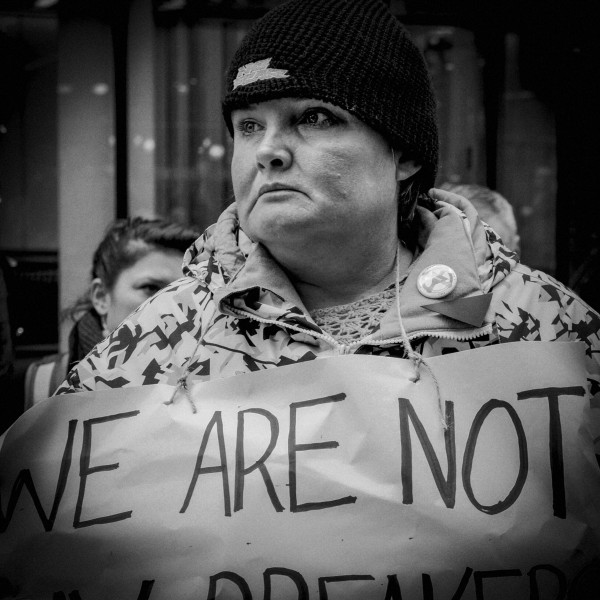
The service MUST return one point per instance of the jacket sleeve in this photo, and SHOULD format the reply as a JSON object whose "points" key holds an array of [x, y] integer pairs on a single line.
{"points": [[534, 306], [151, 346], [585, 327]]}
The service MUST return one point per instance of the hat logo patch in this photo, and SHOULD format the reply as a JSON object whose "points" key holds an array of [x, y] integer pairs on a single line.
{"points": [[258, 71]]}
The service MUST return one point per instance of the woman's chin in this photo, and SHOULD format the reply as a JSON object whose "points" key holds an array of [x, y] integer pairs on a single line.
{"points": [[281, 224]]}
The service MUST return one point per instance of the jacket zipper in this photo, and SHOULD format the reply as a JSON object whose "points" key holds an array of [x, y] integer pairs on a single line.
{"points": [[347, 348]]}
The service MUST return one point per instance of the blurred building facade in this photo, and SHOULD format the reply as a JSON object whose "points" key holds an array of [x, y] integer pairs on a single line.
{"points": [[111, 108]]}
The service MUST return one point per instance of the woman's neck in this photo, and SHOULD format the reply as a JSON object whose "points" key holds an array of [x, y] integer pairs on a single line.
{"points": [[335, 278]]}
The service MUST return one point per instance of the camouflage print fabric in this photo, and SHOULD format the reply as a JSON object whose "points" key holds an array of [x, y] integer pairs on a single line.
{"points": [[235, 311]]}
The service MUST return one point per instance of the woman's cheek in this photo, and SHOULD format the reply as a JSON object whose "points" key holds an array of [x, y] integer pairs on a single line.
{"points": [[242, 191]]}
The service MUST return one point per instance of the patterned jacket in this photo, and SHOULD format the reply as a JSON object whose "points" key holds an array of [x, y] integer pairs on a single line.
{"points": [[235, 311]]}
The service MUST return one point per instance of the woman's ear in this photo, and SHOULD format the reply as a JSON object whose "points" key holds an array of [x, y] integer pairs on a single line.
{"points": [[404, 168], [99, 296]]}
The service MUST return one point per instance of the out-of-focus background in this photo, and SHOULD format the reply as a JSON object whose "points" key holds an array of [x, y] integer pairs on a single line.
{"points": [[111, 108]]}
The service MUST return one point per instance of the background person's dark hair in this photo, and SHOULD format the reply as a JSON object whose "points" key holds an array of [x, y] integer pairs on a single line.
{"points": [[118, 249], [124, 243]]}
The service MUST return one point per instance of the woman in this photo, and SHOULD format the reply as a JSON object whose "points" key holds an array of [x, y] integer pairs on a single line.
{"points": [[136, 258], [333, 245]]}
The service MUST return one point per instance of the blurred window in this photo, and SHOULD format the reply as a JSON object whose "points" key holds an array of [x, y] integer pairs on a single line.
{"points": [[28, 176], [193, 149], [526, 173], [28, 131]]}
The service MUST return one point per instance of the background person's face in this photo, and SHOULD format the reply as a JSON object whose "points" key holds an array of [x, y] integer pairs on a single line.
{"points": [[332, 177], [139, 282]]}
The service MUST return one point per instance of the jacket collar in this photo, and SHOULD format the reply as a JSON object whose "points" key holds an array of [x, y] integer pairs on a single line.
{"points": [[258, 285], [447, 241]]}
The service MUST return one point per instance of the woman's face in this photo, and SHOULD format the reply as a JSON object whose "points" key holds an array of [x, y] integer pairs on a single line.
{"points": [[307, 171], [139, 282]]}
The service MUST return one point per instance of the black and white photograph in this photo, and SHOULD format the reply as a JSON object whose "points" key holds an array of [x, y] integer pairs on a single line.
{"points": [[299, 300]]}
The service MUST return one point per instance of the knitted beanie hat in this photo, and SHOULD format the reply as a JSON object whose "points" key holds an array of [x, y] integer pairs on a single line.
{"points": [[351, 53]]}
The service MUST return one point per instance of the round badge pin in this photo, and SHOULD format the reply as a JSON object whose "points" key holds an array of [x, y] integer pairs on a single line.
{"points": [[436, 281]]}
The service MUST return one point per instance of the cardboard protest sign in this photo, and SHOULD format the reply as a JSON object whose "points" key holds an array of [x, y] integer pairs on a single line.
{"points": [[336, 478]]}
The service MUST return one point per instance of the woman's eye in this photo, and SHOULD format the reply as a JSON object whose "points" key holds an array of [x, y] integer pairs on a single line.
{"points": [[247, 127], [318, 117], [150, 289]]}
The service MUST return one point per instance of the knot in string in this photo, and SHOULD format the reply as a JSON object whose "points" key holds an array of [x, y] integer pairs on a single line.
{"points": [[182, 384], [417, 361]]}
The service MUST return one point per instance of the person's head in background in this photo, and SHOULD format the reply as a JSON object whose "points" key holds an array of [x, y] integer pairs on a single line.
{"points": [[493, 208], [136, 258]]}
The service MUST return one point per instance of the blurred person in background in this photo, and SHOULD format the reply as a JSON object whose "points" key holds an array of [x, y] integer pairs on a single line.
{"points": [[493, 208], [136, 258]]}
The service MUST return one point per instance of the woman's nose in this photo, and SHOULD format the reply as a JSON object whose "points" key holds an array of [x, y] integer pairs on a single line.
{"points": [[273, 153]]}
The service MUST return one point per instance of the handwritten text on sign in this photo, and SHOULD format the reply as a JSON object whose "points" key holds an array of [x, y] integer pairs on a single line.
{"points": [[338, 478]]}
